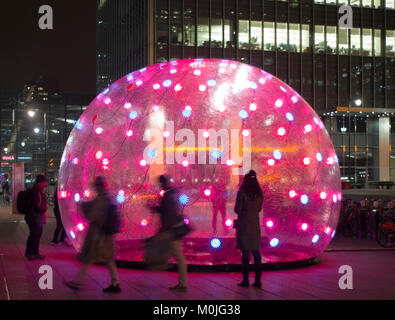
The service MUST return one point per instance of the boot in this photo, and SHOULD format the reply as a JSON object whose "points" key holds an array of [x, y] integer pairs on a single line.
{"points": [[245, 266], [257, 283], [258, 272]]}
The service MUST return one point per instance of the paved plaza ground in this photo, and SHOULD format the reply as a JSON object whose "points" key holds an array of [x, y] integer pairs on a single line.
{"points": [[373, 274]]}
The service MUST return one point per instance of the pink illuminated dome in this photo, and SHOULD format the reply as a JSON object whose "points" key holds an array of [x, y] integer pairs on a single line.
{"points": [[206, 123]]}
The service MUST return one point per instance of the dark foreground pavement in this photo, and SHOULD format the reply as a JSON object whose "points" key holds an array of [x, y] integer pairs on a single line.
{"points": [[373, 274]]}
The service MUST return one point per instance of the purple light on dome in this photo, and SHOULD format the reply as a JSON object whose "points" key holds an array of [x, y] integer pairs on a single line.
{"points": [[186, 113], [315, 239], [304, 199], [211, 83], [243, 114], [167, 83], [290, 117], [274, 242], [253, 85], [294, 99], [129, 77], [279, 103], [277, 154], [183, 199], [133, 115], [215, 243], [77, 197]]}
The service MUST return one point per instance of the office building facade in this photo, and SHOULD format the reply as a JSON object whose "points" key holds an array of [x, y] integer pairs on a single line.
{"points": [[346, 74]]}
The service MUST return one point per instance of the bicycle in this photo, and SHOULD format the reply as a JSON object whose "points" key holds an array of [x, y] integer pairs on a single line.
{"points": [[386, 233]]}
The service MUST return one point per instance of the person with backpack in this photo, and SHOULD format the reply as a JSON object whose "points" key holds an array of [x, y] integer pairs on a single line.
{"points": [[34, 207], [99, 242], [248, 232], [169, 210]]}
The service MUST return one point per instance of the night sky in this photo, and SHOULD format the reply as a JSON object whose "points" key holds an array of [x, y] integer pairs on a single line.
{"points": [[66, 56]]}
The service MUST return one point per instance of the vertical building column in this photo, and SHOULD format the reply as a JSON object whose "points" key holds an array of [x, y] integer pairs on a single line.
{"points": [[151, 31], [384, 149]]}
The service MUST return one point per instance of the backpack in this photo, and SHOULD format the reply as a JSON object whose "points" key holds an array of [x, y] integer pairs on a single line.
{"points": [[112, 223], [24, 201]]}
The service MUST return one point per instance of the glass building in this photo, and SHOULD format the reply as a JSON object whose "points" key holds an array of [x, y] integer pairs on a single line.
{"points": [[121, 38], [347, 75], [34, 128]]}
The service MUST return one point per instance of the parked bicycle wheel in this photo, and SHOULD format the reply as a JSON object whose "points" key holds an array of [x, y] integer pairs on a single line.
{"points": [[386, 235]]}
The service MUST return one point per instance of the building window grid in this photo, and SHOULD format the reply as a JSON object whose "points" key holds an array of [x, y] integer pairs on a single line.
{"points": [[269, 33], [388, 4], [362, 42]]}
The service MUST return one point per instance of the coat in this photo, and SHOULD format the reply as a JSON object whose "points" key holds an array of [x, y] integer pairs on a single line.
{"points": [[248, 232], [38, 207], [169, 209], [97, 247]]}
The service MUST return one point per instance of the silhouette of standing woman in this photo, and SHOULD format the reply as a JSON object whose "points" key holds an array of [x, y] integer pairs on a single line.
{"points": [[248, 233]]}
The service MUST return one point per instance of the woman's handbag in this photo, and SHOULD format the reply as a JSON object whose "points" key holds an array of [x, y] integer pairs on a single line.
{"points": [[157, 250], [180, 230]]}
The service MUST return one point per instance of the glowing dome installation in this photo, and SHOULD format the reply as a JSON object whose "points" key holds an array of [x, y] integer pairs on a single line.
{"points": [[205, 122]]}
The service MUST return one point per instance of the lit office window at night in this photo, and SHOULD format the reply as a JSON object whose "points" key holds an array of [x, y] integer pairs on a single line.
{"points": [[367, 43], [203, 32], [256, 35], [244, 26], [189, 34], [377, 43], [390, 43], [319, 39], [355, 41], [216, 33], [282, 37], [331, 40], [343, 41], [377, 3], [268, 36], [390, 4], [294, 37], [305, 38]]}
